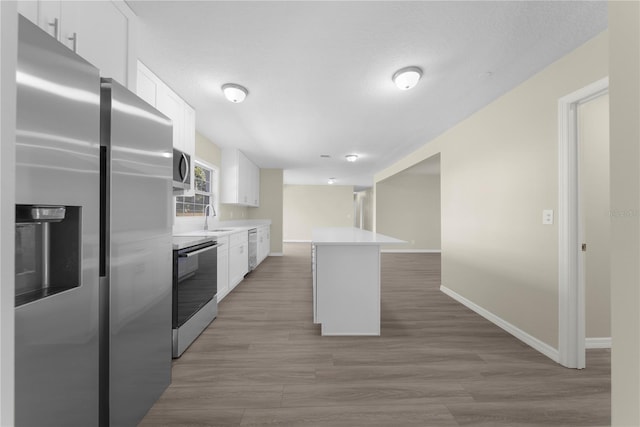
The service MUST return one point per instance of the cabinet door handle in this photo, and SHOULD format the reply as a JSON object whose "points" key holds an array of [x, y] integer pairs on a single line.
{"points": [[74, 39], [55, 26]]}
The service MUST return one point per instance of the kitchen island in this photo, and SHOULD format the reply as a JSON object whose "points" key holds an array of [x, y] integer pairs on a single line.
{"points": [[346, 280]]}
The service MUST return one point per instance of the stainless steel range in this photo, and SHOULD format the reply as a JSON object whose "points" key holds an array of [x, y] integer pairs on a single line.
{"points": [[195, 284]]}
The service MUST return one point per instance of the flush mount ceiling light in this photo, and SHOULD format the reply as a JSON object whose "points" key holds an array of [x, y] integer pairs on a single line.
{"points": [[407, 77], [351, 157], [332, 181], [234, 93]]}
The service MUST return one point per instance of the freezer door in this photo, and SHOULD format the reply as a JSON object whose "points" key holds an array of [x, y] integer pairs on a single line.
{"points": [[138, 142], [57, 163]]}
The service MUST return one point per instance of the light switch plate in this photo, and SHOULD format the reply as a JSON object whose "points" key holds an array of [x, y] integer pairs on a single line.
{"points": [[547, 217]]}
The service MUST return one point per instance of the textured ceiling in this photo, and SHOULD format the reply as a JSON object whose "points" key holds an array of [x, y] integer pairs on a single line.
{"points": [[319, 73]]}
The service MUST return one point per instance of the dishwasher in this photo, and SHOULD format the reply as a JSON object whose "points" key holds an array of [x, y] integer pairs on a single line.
{"points": [[253, 248]]}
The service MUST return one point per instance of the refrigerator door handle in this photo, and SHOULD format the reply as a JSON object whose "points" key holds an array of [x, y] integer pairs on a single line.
{"points": [[104, 209]]}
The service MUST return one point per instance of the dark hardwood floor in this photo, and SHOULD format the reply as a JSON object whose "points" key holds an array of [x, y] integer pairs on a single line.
{"points": [[436, 363]]}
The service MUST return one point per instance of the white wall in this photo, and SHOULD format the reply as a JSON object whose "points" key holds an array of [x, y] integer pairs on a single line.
{"points": [[624, 94], [410, 210], [499, 171], [8, 48], [593, 134], [310, 206]]}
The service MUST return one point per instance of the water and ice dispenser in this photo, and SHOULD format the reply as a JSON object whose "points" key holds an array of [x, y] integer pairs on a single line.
{"points": [[47, 251]]}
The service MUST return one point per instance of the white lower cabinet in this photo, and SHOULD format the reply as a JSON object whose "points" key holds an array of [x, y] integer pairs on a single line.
{"points": [[238, 257], [264, 242], [223, 267], [233, 257]]}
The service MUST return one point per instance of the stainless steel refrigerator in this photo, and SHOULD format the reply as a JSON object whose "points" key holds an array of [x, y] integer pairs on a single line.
{"points": [[93, 243]]}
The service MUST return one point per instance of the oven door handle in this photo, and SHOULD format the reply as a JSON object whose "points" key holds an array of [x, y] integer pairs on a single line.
{"points": [[199, 251]]}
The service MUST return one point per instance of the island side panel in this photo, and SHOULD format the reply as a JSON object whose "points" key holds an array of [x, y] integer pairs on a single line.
{"points": [[313, 277], [348, 289]]}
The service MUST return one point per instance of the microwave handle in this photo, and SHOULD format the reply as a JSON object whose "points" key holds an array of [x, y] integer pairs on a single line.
{"points": [[199, 251], [184, 163]]}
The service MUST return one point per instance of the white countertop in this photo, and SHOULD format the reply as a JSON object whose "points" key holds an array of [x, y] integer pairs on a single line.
{"points": [[349, 236], [215, 232], [217, 228]]}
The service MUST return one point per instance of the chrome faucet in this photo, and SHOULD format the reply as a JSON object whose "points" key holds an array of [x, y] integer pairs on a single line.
{"points": [[207, 210]]}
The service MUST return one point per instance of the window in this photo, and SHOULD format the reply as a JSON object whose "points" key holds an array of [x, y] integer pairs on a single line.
{"points": [[203, 180]]}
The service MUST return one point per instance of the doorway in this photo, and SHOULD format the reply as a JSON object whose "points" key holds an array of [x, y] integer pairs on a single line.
{"points": [[594, 211], [363, 208], [572, 217], [408, 207]]}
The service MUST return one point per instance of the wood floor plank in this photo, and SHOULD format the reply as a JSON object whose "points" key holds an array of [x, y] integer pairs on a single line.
{"points": [[549, 412], [350, 416], [165, 416], [373, 394], [436, 363]]}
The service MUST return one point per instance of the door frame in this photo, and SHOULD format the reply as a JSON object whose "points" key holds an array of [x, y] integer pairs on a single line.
{"points": [[571, 315]]}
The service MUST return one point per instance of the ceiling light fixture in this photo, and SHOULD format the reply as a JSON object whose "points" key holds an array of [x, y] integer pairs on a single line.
{"points": [[332, 181], [351, 157], [234, 93], [407, 77]]}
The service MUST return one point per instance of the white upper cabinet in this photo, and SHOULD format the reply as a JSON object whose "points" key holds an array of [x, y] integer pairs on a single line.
{"points": [[253, 185], [153, 90], [102, 32], [103, 40], [189, 131], [29, 9], [240, 179], [172, 106], [147, 85], [244, 179], [49, 17], [256, 186]]}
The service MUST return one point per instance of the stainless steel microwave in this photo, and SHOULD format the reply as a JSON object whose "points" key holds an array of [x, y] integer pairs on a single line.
{"points": [[181, 171]]}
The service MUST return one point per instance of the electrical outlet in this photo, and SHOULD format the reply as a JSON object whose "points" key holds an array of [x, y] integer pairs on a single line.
{"points": [[547, 217]]}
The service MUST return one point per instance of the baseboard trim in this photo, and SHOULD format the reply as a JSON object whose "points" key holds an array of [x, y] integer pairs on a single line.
{"points": [[410, 251], [526, 338], [296, 241], [276, 254], [601, 342]]}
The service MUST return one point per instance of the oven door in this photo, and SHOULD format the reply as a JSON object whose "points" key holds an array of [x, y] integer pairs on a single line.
{"points": [[194, 280]]}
